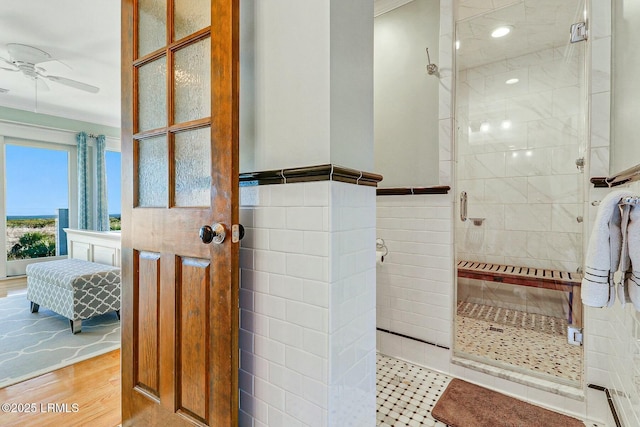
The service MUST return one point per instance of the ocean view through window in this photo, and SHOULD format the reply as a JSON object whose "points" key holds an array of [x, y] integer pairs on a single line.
{"points": [[37, 189], [37, 185]]}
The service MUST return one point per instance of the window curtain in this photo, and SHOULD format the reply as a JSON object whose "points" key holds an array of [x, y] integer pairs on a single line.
{"points": [[84, 213], [102, 220]]}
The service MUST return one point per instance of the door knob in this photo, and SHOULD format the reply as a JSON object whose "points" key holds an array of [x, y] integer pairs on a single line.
{"points": [[237, 233], [212, 233]]}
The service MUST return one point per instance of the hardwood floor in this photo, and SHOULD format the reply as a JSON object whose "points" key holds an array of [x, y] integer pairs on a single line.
{"points": [[13, 285], [84, 394]]}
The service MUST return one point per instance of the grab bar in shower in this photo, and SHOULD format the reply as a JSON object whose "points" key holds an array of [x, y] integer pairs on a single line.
{"points": [[463, 206]]}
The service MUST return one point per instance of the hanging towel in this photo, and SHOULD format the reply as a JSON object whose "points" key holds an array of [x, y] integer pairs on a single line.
{"points": [[603, 253], [625, 261], [633, 242]]}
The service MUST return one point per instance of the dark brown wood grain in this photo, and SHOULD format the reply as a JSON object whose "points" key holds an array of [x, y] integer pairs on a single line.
{"points": [[533, 277], [147, 332], [196, 316]]}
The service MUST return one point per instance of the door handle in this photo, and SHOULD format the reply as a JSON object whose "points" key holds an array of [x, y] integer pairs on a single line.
{"points": [[213, 233], [237, 233], [463, 206]]}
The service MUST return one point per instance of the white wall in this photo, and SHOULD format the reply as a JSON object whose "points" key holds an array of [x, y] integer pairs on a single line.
{"points": [[307, 305], [307, 337], [306, 84], [625, 151], [351, 101], [414, 281], [406, 97]]}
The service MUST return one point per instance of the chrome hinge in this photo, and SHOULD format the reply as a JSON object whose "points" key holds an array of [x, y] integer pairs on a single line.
{"points": [[578, 32], [574, 335]]}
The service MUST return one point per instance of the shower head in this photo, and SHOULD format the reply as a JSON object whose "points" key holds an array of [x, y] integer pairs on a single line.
{"points": [[431, 68]]}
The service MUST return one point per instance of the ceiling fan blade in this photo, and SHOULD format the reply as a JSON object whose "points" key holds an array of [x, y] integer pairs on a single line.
{"points": [[73, 83], [13, 67]]}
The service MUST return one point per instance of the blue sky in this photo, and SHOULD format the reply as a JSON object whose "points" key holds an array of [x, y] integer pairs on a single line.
{"points": [[37, 181]]}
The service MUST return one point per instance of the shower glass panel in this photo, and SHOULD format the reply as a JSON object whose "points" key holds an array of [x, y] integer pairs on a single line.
{"points": [[521, 106]]}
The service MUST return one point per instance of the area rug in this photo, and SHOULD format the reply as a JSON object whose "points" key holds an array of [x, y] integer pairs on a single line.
{"points": [[32, 344], [467, 405]]}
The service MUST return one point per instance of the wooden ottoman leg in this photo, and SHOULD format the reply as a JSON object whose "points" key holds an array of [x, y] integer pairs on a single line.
{"points": [[34, 307], [76, 326]]}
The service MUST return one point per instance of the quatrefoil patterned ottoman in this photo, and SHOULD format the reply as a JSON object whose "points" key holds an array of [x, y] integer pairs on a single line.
{"points": [[74, 288]]}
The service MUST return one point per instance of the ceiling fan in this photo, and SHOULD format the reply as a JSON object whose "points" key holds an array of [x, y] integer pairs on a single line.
{"points": [[27, 59]]}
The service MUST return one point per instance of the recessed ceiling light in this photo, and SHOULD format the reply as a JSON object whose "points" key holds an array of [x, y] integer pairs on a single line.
{"points": [[501, 31], [485, 127], [506, 124], [512, 81], [457, 44]]}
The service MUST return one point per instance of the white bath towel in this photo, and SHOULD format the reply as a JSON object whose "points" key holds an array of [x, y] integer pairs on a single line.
{"points": [[625, 261], [603, 253], [633, 242]]}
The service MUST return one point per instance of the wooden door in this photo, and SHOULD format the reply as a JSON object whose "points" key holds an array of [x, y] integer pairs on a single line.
{"points": [[180, 157]]}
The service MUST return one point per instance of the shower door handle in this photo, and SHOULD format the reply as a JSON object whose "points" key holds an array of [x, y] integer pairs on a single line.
{"points": [[463, 206]]}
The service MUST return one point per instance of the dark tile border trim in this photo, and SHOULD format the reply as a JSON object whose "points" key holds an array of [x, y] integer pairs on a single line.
{"points": [[412, 338], [601, 182], [628, 175], [413, 191], [326, 172], [612, 407]]}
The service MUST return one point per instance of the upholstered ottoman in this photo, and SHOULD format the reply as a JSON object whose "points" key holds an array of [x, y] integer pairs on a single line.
{"points": [[74, 288]]}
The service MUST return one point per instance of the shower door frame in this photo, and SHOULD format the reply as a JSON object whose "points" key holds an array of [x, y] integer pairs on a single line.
{"points": [[582, 147]]}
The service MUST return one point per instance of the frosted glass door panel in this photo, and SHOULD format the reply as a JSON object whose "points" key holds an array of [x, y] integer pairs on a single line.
{"points": [[152, 95], [193, 167], [152, 22], [190, 16], [152, 172], [192, 80]]}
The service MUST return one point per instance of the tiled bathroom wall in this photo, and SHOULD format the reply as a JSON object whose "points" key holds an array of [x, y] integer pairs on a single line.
{"points": [[414, 280], [611, 334], [600, 343], [517, 149], [307, 305]]}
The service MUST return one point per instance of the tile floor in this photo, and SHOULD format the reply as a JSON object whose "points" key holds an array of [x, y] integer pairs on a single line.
{"points": [[535, 343], [406, 393]]}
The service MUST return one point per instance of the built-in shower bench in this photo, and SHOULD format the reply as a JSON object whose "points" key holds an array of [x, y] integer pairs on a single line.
{"points": [[535, 277]]}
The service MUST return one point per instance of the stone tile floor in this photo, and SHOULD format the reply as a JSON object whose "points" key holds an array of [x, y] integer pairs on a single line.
{"points": [[407, 393]]}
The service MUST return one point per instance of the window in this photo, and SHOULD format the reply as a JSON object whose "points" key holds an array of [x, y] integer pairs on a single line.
{"points": [[36, 200], [113, 160]]}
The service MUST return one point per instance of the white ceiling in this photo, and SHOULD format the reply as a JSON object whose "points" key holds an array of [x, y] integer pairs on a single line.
{"points": [[84, 35], [537, 25]]}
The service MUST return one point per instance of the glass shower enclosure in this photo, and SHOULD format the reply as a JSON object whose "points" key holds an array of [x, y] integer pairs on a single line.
{"points": [[521, 108]]}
